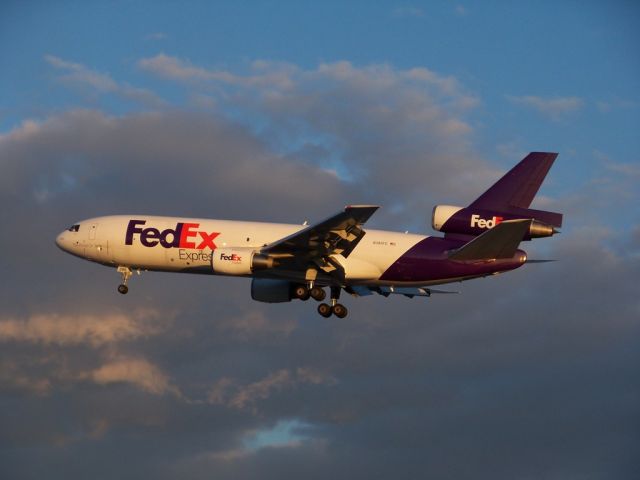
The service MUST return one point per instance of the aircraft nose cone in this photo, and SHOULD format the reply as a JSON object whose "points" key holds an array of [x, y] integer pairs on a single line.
{"points": [[60, 241]]}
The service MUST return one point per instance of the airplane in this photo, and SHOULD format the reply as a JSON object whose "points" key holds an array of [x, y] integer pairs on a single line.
{"points": [[292, 261]]}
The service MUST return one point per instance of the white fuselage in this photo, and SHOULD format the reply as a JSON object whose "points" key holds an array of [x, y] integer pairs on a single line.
{"points": [[153, 244]]}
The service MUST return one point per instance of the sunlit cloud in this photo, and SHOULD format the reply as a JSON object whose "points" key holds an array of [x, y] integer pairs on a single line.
{"points": [[229, 392], [552, 107], [79, 75], [135, 371], [93, 330]]}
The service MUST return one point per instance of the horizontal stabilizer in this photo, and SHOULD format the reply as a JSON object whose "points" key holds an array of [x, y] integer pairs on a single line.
{"points": [[500, 242]]}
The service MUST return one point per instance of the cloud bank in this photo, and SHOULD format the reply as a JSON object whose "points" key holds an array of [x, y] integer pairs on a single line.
{"points": [[528, 375]]}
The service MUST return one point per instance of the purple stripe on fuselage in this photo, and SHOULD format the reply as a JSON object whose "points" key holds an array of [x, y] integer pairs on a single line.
{"points": [[428, 261]]}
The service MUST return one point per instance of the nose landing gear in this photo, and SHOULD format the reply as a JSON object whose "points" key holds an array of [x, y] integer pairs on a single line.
{"points": [[126, 274]]}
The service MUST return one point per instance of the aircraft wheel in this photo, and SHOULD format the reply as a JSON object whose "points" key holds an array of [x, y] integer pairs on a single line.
{"points": [[324, 310], [340, 311], [301, 292], [123, 289], [318, 294]]}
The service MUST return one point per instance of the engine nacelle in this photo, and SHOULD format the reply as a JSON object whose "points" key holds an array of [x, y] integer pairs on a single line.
{"points": [[271, 291], [442, 213], [474, 221], [239, 261]]}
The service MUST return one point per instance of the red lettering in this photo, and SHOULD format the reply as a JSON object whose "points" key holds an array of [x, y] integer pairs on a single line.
{"points": [[207, 240], [186, 233]]}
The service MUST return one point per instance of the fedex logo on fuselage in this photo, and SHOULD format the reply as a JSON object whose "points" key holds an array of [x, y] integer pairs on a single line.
{"points": [[233, 258], [476, 221], [185, 235]]}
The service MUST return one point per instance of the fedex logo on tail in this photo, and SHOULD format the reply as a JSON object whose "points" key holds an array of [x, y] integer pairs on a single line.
{"points": [[476, 221], [185, 235]]}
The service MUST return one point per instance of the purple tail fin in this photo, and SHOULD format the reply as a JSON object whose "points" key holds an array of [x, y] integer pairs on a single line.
{"points": [[515, 191], [508, 199], [519, 185]]}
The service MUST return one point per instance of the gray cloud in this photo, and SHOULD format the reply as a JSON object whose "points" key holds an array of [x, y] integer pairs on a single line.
{"points": [[400, 137], [529, 375]]}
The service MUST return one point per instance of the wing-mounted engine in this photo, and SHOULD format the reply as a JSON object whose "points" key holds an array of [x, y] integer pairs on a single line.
{"points": [[271, 291], [476, 221], [239, 261]]}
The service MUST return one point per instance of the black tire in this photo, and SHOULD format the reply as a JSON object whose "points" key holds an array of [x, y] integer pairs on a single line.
{"points": [[325, 310], [301, 292], [340, 311], [123, 289], [318, 293]]}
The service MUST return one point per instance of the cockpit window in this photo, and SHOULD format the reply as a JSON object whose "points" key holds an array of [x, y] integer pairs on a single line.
{"points": [[74, 228]]}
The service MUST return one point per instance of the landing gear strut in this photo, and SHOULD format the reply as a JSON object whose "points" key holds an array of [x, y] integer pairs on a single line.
{"points": [[126, 274], [335, 308]]}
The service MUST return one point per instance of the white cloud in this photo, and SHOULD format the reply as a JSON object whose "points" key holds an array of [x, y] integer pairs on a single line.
{"points": [[255, 325], [385, 127], [136, 371], [626, 169], [606, 106], [263, 73], [228, 392], [94, 330], [554, 108], [156, 36], [82, 76]]}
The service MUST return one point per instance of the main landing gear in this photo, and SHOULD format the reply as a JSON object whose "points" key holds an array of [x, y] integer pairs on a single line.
{"points": [[126, 274], [303, 292]]}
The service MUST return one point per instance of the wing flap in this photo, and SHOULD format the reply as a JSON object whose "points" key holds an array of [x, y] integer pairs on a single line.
{"points": [[338, 234], [500, 242], [364, 290]]}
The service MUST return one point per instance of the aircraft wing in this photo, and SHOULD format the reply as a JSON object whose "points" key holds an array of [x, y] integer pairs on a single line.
{"points": [[338, 234]]}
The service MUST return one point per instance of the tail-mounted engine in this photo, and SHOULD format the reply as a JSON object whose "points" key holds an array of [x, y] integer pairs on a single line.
{"points": [[473, 221], [239, 261]]}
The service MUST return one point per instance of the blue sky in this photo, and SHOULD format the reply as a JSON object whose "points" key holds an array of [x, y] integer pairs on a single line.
{"points": [[286, 111], [517, 59]]}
